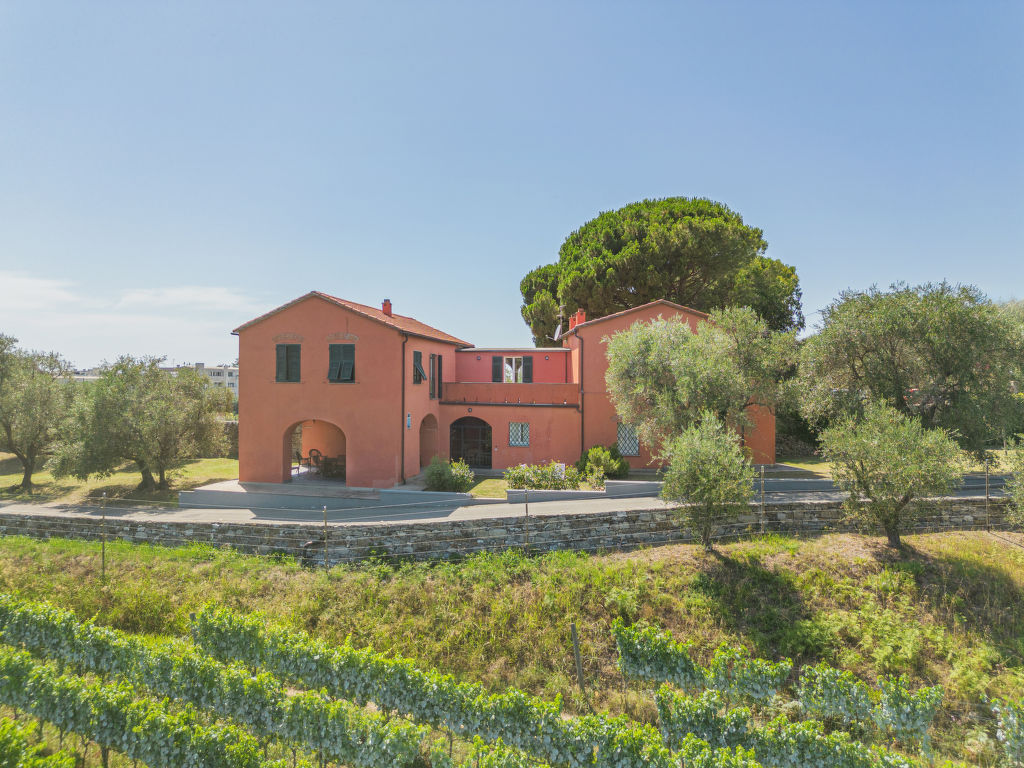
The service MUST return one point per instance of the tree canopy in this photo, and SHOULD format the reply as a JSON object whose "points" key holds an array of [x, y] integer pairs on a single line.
{"points": [[662, 376], [692, 251], [35, 397], [140, 413], [939, 352]]}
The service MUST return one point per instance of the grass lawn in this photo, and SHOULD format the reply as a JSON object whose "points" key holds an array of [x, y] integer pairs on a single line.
{"points": [[809, 466], [119, 485], [947, 610], [490, 488]]}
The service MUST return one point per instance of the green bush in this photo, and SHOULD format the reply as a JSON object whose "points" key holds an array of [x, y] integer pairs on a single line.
{"points": [[548, 477], [607, 459], [449, 476]]}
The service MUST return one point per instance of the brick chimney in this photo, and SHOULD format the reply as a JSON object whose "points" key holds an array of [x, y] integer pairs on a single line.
{"points": [[581, 316], [572, 322], [386, 307]]}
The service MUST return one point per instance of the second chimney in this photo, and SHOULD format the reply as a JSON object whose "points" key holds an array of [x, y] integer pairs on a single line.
{"points": [[386, 307]]}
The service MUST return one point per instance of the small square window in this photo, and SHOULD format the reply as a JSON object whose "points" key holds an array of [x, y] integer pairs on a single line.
{"points": [[629, 443], [519, 433]]}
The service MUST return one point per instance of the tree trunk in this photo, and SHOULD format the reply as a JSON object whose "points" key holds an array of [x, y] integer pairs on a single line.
{"points": [[28, 467], [893, 534], [162, 485], [148, 483]]}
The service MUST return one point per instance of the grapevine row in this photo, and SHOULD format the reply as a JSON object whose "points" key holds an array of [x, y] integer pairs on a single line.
{"points": [[17, 750], [115, 719], [778, 744], [341, 731], [648, 653], [525, 722]]}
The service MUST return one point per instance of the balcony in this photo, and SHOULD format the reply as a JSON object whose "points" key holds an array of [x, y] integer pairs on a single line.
{"points": [[481, 393]]}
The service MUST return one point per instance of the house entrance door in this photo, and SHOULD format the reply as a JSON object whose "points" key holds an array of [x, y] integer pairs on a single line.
{"points": [[471, 442]]}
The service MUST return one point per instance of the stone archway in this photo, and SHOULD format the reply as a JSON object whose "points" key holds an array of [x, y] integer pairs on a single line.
{"points": [[428, 439], [315, 448]]}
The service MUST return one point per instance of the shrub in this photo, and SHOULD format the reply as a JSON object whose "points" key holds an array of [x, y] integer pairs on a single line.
{"points": [[449, 476], [548, 477], [1010, 731], [608, 459]]}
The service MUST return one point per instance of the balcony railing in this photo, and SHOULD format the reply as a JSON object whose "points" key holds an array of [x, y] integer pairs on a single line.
{"points": [[518, 394]]}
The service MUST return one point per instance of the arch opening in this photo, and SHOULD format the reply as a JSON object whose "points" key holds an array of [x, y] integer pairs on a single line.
{"points": [[315, 450], [428, 439], [471, 441]]}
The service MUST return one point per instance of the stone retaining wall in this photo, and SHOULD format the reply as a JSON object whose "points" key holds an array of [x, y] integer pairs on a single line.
{"points": [[445, 539]]}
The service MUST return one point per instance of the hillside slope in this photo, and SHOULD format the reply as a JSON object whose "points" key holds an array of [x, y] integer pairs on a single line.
{"points": [[948, 610]]}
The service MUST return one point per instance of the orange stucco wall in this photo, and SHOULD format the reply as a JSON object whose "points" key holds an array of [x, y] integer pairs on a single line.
{"points": [[368, 411], [550, 365], [554, 432]]}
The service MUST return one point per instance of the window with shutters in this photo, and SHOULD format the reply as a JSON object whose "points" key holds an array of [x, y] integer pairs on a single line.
{"points": [[518, 433], [629, 443], [341, 362], [288, 362], [440, 375], [433, 376], [418, 374], [515, 370]]}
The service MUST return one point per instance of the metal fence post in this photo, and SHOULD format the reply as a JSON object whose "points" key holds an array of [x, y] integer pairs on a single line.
{"points": [[526, 497], [325, 537], [988, 512], [576, 653], [762, 498], [103, 537]]}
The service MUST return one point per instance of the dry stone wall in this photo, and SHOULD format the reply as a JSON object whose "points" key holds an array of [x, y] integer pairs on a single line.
{"points": [[445, 539]]}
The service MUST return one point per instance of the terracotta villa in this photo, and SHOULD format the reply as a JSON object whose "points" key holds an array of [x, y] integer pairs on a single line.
{"points": [[378, 395]]}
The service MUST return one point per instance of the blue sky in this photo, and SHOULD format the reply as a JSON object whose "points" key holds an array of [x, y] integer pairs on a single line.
{"points": [[169, 170]]}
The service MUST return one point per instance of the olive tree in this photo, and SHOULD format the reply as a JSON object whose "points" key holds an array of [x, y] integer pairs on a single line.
{"points": [[887, 461], [709, 475], [137, 412], [1015, 485], [662, 377], [942, 353], [35, 396]]}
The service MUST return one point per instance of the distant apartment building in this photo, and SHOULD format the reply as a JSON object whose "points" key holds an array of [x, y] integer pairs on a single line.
{"points": [[219, 375]]}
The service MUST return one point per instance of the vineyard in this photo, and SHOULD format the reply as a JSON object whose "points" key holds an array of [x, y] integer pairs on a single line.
{"points": [[203, 657], [242, 693]]}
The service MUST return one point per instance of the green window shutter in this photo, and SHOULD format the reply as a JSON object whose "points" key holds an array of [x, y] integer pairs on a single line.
{"points": [[433, 376], [348, 362], [497, 368], [527, 369], [418, 374], [334, 364], [440, 375], [282, 362], [294, 362]]}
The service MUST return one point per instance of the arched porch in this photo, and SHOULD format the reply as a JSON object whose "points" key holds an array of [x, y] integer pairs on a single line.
{"points": [[315, 449]]}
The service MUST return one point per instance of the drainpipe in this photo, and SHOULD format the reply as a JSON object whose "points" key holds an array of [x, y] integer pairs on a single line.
{"points": [[401, 461], [582, 412]]}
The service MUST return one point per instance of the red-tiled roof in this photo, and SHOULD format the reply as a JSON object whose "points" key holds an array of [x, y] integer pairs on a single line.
{"points": [[398, 322], [665, 302]]}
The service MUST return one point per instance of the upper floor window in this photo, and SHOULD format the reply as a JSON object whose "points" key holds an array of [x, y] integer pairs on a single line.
{"points": [[342, 362], [512, 369], [288, 360], [418, 374]]}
